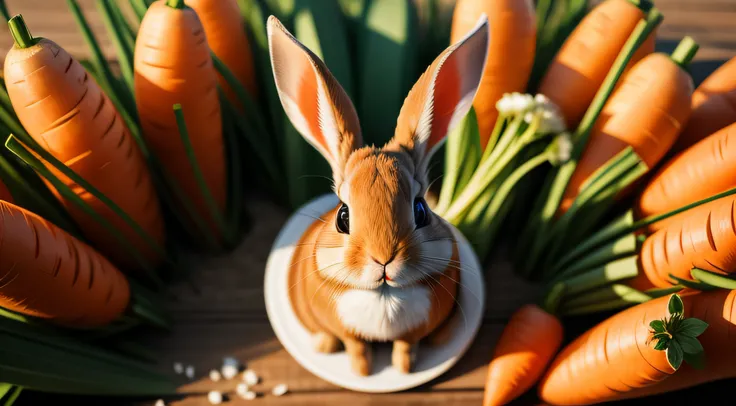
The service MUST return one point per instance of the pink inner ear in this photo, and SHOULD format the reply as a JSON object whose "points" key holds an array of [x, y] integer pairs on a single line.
{"points": [[308, 104], [447, 93]]}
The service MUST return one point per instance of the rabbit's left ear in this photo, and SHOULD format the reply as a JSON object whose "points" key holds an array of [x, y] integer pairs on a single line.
{"points": [[442, 96]]}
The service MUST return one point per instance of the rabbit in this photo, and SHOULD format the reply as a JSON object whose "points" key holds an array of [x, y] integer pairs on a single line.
{"points": [[379, 266]]}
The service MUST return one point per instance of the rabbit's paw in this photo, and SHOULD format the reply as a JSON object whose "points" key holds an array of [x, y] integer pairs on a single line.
{"points": [[403, 356], [326, 343]]}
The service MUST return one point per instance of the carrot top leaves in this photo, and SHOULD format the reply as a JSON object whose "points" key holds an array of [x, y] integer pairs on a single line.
{"points": [[677, 335], [20, 32]]}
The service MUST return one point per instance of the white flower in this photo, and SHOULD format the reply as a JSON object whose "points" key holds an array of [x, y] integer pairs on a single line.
{"points": [[214, 397], [215, 375], [514, 103], [549, 115], [178, 367], [250, 395], [160, 402], [189, 372], [561, 149], [250, 377], [280, 389], [229, 371]]}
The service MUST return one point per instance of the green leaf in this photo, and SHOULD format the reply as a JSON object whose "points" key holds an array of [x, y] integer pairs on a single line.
{"points": [[657, 326], [690, 345], [696, 360], [691, 327], [674, 355], [662, 344], [675, 305]]}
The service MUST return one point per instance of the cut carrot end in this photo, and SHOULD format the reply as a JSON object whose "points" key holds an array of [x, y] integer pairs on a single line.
{"points": [[178, 4], [685, 51], [21, 35]]}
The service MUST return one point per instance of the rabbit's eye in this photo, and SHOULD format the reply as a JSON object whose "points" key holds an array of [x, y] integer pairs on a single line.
{"points": [[421, 212], [343, 219]]}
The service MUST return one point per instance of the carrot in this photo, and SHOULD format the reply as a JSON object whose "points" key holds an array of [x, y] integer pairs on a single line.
{"points": [[646, 112], [704, 238], [510, 49], [582, 63], [5, 193], [716, 308], [46, 273], [528, 342], [173, 66], [67, 114], [703, 170], [226, 35], [713, 105], [638, 347]]}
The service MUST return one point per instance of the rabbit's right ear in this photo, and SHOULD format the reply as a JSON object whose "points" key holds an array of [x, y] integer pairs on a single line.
{"points": [[314, 101]]}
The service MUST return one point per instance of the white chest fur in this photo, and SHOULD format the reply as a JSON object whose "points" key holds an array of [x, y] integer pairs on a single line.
{"points": [[384, 314]]}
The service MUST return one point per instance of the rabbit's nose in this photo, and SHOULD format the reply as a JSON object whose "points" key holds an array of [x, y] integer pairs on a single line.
{"points": [[385, 263]]}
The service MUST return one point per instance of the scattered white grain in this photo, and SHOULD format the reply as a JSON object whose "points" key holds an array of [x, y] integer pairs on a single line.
{"points": [[178, 367], [215, 375], [214, 397], [189, 372], [242, 389], [229, 371], [250, 377], [280, 389], [250, 395], [160, 402]]}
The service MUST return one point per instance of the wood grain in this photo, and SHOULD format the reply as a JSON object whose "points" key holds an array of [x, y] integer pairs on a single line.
{"points": [[227, 317]]}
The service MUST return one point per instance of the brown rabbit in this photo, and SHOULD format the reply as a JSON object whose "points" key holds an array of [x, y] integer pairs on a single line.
{"points": [[380, 266]]}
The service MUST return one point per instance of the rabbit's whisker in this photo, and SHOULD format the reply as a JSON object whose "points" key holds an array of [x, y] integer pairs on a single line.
{"points": [[302, 213], [459, 306], [460, 269], [311, 273]]}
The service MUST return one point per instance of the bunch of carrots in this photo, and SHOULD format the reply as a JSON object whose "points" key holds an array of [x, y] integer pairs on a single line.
{"points": [[627, 210]]}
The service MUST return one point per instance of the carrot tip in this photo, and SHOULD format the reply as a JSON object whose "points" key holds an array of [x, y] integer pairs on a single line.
{"points": [[20, 32], [685, 51], [178, 4]]}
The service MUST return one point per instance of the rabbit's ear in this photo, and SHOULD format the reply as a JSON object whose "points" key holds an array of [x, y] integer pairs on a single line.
{"points": [[442, 96], [312, 98]]}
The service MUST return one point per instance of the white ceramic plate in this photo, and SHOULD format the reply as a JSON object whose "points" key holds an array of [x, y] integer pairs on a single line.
{"points": [[431, 362]]}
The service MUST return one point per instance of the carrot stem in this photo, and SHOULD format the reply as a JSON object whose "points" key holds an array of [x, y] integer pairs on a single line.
{"points": [[139, 8], [20, 32], [198, 175], [553, 298], [621, 269], [713, 279], [4, 10], [561, 177], [613, 233], [235, 174], [125, 55], [685, 52], [264, 153], [178, 4]]}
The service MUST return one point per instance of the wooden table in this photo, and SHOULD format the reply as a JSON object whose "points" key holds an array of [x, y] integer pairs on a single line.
{"points": [[227, 317]]}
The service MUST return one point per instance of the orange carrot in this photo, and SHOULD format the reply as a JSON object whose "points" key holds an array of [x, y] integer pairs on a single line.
{"points": [[704, 238], [623, 353], [528, 342], [46, 273], [173, 65], [701, 171], [510, 51], [713, 105], [225, 31], [716, 308], [582, 63], [5, 193], [646, 112], [66, 113]]}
